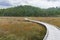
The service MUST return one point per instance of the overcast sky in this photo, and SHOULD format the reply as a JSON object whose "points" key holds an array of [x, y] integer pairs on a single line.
{"points": [[37, 3]]}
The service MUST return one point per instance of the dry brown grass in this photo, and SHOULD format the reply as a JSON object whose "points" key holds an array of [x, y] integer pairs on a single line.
{"points": [[52, 20], [15, 28]]}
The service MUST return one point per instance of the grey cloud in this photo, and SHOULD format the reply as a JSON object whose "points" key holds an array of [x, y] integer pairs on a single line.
{"points": [[38, 3], [52, 0], [5, 3]]}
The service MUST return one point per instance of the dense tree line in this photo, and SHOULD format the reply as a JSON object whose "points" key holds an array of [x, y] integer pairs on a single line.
{"points": [[30, 11]]}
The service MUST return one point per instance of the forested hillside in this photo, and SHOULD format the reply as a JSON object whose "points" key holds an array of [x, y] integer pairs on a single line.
{"points": [[30, 11]]}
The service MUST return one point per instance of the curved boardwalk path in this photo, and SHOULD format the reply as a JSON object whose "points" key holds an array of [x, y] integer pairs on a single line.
{"points": [[52, 34]]}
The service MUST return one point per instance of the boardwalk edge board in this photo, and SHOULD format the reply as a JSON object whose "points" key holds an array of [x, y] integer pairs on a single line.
{"points": [[47, 32]]}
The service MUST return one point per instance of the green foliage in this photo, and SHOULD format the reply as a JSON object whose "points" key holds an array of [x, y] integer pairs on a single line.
{"points": [[30, 11]]}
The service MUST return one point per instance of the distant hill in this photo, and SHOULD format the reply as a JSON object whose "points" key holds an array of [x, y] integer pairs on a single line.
{"points": [[30, 11]]}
